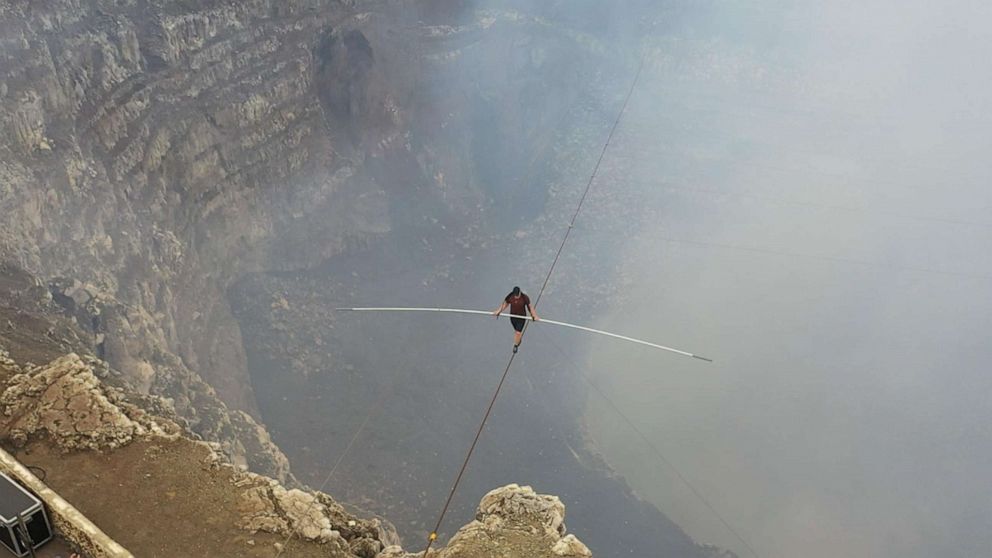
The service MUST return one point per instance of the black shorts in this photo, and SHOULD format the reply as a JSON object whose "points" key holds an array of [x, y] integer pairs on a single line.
{"points": [[518, 323]]}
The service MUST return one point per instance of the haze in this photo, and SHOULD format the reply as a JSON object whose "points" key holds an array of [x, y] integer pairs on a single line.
{"points": [[809, 187]]}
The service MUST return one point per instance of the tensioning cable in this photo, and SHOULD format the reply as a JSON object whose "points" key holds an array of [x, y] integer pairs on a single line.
{"points": [[592, 177], [654, 448], [373, 411]]}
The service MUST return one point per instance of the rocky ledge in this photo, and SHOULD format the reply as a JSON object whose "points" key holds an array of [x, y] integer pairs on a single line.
{"points": [[516, 521], [66, 402], [63, 417]]}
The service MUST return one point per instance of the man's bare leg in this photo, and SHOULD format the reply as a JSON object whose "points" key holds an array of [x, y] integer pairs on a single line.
{"points": [[517, 335]]}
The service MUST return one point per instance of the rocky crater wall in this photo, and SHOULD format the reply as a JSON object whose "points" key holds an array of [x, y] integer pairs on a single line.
{"points": [[66, 407], [156, 154], [158, 151]]}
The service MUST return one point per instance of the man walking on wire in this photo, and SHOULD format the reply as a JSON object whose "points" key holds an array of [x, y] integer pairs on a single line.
{"points": [[519, 304]]}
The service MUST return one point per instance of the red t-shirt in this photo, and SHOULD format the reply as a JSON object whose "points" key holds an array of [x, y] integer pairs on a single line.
{"points": [[518, 304]]}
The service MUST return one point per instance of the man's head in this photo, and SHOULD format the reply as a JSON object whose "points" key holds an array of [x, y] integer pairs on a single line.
{"points": [[516, 291]]}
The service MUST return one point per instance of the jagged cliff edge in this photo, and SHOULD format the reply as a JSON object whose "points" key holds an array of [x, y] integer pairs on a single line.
{"points": [[64, 404]]}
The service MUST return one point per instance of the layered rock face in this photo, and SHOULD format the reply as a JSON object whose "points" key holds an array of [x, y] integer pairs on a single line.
{"points": [[150, 146], [157, 151], [119, 126]]}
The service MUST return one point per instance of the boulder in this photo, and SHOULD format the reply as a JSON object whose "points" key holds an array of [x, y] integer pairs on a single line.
{"points": [[67, 402]]}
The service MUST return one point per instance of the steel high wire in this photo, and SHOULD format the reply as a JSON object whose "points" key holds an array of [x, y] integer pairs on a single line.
{"points": [[468, 456]]}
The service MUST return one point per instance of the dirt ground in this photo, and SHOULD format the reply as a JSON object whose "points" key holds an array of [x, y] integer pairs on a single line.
{"points": [[55, 548], [125, 491]]}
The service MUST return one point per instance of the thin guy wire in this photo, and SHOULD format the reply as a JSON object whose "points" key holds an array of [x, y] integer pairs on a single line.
{"points": [[499, 387], [379, 405], [654, 449]]}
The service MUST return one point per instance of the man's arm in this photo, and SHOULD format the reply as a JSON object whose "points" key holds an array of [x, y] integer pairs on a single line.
{"points": [[499, 310], [533, 314]]}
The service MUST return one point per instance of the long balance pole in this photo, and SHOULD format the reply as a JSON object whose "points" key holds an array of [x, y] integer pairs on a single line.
{"points": [[541, 321]]}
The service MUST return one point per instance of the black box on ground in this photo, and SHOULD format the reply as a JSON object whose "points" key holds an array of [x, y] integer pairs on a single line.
{"points": [[17, 504]]}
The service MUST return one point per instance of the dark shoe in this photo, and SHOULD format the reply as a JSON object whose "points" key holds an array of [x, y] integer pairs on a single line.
{"points": [[515, 348]]}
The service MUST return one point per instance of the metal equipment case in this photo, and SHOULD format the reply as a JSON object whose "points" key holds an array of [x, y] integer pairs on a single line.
{"points": [[16, 503]]}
